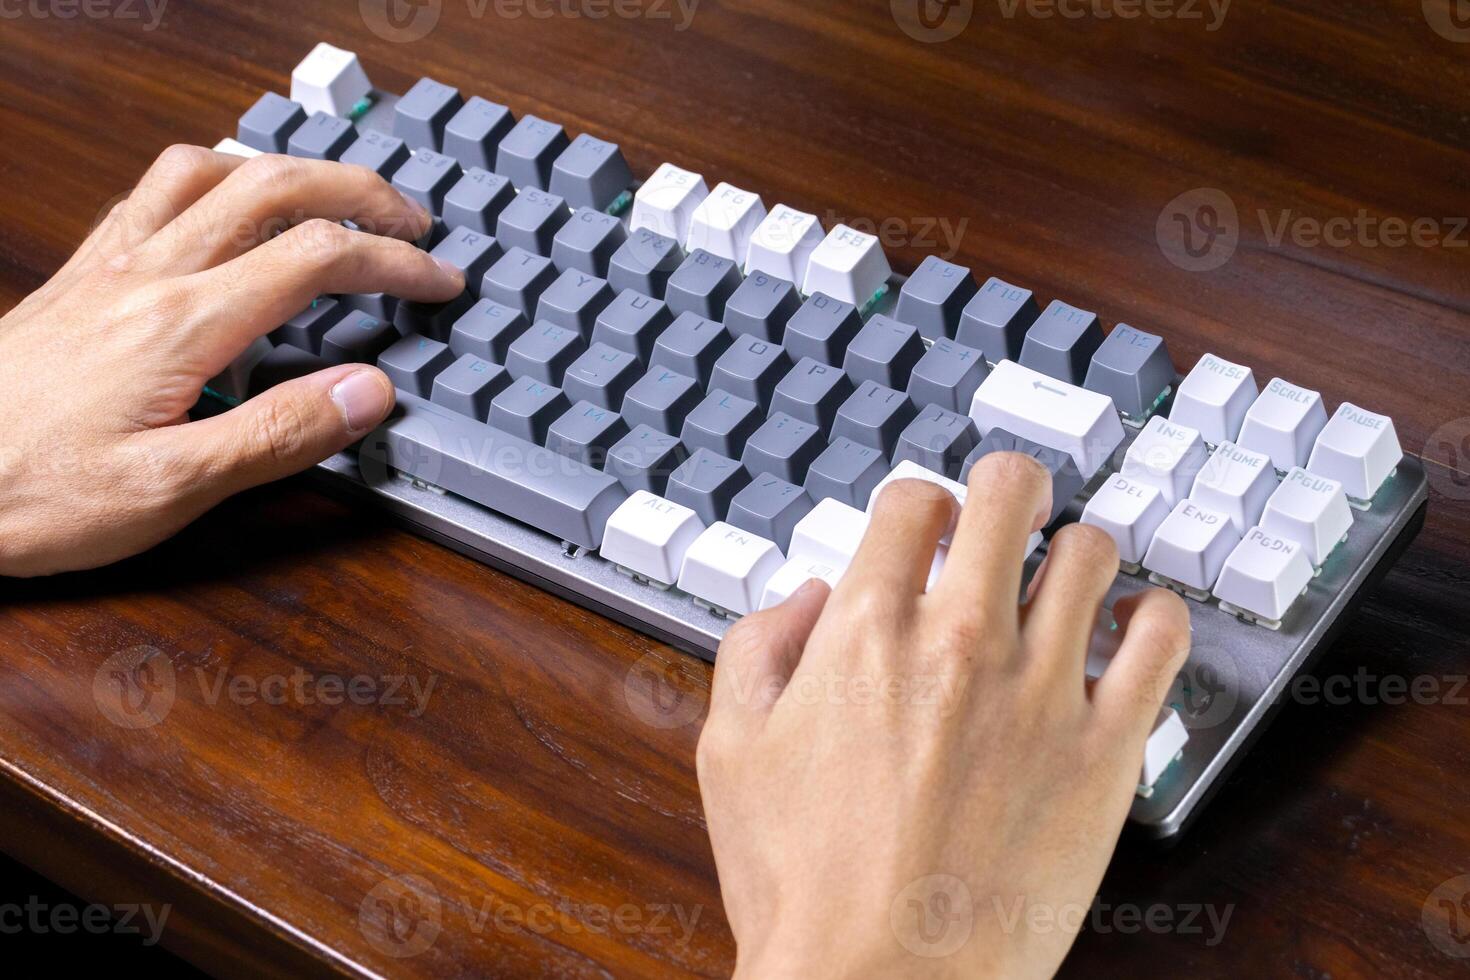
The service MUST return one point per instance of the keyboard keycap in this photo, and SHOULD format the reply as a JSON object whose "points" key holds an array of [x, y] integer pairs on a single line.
{"points": [[760, 306], [884, 352], [282, 363], [934, 297], [496, 469], [644, 458], [665, 203], [526, 408], [476, 201], [721, 423], [468, 385], [473, 134], [728, 568], [234, 147], [996, 320], [574, 300], [518, 279], [829, 533], [1284, 422], [783, 244], [528, 152], [702, 285], [586, 433], [321, 137], [329, 80], [531, 221], [434, 320], [358, 337], [544, 352], [793, 575], [644, 263], [690, 346], [602, 376], [379, 305], [1358, 449], [874, 416], [1066, 481], [1053, 413], [783, 446], [1133, 369], [267, 126], [706, 482], [751, 368], [848, 265], [471, 252], [723, 223], [306, 329], [1214, 398], [650, 536], [590, 173], [420, 116], [379, 152], [1264, 575], [587, 242], [487, 330], [938, 440], [1309, 509], [661, 399], [947, 375], [1237, 483], [427, 177], [1191, 546], [822, 329], [1062, 341], [413, 362], [813, 392], [632, 322], [846, 471], [770, 507], [1168, 456], [1130, 512]]}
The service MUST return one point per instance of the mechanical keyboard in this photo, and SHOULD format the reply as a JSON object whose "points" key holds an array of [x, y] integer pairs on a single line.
{"points": [[673, 404]]}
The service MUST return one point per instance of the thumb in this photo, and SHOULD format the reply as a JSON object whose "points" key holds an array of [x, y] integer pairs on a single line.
{"points": [[286, 429]]}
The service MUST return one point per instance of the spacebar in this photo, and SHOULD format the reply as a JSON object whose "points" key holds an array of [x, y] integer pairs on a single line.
{"points": [[505, 473]]}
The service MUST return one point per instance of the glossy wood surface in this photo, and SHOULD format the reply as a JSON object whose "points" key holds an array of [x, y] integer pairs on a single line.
{"points": [[548, 783]]}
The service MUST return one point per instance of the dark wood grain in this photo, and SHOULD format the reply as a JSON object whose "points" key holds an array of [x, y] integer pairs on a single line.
{"points": [[533, 779]]}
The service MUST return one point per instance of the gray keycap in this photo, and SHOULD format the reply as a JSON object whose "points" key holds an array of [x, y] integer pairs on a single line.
{"points": [[380, 305], [487, 329], [518, 279], [474, 133], [321, 137], [306, 329], [721, 423], [527, 152], [531, 221], [591, 173], [885, 352], [702, 284], [468, 385], [379, 152], [996, 320], [357, 337], [437, 232], [770, 507], [661, 399], [760, 306], [1066, 479], [690, 346], [751, 368], [476, 200], [813, 392], [937, 440], [427, 177], [934, 297], [644, 263], [602, 376], [544, 352], [527, 407], [632, 323], [412, 363], [1132, 368], [586, 433], [947, 375], [267, 126], [420, 116], [494, 469], [431, 319], [587, 242], [706, 482], [821, 329], [282, 364], [873, 416], [471, 252], [784, 446], [846, 471], [574, 300], [644, 458], [1062, 341]]}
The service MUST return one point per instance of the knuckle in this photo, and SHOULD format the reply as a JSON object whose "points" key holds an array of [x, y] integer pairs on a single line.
{"points": [[319, 243], [748, 635], [999, 469], [181, 160], [1087, 544], [1160, 628], [270, 172], [280, 431], [903, 499]]}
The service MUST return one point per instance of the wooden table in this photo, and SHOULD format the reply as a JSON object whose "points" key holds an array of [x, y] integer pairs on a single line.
{"points": [[532, 798]]}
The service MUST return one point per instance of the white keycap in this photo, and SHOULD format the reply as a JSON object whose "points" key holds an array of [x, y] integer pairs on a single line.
{"points": [[783, 243], [1309, 509], [1081, 423], [936, 567], [665, 203], [234, 146], [1163, 747], [1168, 456], [1237, 483], [1283, 423], [329, 80], [725, 221], [729, 568], [829, 534], [1130, 512], [792, 576], [1191, 545], [1358, 449], [1214, 398], [650, 535], [848, 265], [1264, 574]]}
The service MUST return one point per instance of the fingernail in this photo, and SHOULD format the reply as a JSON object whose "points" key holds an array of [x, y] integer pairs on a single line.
{"points": [[452, 271], [362, 400], [807, 588]]}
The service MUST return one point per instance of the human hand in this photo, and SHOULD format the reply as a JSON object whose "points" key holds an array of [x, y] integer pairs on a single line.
{"points": [[980, 776], [100, 366]]}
